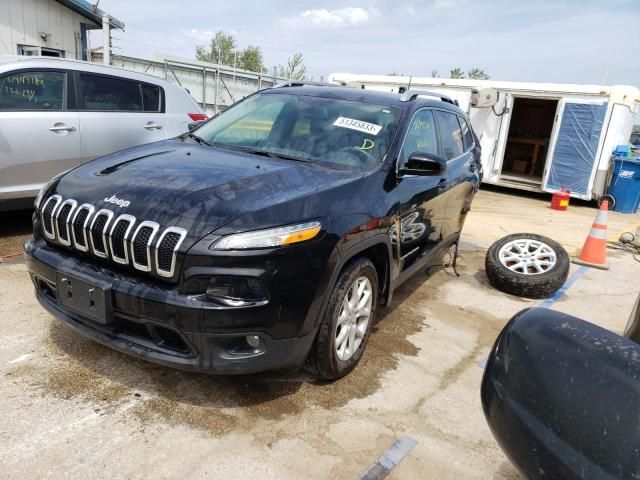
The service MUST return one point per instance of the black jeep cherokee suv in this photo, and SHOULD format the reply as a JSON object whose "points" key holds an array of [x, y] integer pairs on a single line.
{"points": [[265, 238]]}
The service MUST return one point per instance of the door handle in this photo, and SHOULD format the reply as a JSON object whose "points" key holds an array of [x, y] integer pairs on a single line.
{"points": [[152, 126], [62, 128]]}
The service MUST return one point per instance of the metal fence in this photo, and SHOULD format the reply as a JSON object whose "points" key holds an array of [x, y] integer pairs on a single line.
{"points": [[214, 86]]}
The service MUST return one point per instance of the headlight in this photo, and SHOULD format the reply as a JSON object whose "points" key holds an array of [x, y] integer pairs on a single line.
{"points": [[272, 237], [46, 187]]}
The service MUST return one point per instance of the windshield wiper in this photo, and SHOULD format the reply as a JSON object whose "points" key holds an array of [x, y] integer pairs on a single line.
{"points": [[197, 138], [279, 155], [263, 153]]}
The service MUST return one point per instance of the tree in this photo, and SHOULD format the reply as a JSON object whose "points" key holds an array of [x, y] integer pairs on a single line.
{"points": [[221, 49], [251, 59], [456, 73], [477, 74], [435, 74], [295, 68]]}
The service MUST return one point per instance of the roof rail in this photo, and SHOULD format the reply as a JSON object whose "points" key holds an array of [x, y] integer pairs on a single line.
{"points": [[409, 95], [301, 83]]}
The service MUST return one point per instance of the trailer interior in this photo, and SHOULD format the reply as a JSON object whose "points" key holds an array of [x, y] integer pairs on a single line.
{"points": [[530, 130]]}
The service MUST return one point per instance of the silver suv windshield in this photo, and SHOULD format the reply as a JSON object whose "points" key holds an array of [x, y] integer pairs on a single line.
{"points": [[336, 133]]}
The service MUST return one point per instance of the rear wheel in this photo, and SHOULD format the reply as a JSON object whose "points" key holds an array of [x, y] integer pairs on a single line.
{"points": [[344, 331]]}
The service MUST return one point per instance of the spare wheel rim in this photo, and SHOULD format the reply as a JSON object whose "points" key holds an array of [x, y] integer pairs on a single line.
{"points": [[526, 256]]}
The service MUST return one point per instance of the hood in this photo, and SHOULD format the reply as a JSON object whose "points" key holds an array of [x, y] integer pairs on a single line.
{"points": [[192, 186]]}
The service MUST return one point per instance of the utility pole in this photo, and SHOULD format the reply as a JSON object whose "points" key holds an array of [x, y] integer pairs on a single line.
{"points": [[106, 40], [235, 58]]}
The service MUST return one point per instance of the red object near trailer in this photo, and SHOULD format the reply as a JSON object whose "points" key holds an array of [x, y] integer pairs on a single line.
{"points": [[560, 199]]}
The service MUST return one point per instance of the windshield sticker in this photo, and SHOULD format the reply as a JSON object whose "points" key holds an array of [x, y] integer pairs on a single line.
{"points": [[358, 125], [366, 145]]}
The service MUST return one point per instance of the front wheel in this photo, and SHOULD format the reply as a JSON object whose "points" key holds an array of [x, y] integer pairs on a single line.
{"points": [[344, 331]]}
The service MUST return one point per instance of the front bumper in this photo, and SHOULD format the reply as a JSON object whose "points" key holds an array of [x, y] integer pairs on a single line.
{"points": [[157, 324]]}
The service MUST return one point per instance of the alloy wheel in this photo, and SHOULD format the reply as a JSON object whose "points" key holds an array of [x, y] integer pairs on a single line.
{"points": [[354, 317]]}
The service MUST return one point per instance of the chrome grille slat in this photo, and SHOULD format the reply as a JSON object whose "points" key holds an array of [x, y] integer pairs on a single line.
{"points": [[98, 233], [79, 227], [120, 245], [145, 246], [61, 221], [114, 237], [175, 242], [48, 210]]}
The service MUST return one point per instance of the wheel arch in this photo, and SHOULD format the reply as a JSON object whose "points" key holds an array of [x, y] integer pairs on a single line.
{"points": [[379, 250]]}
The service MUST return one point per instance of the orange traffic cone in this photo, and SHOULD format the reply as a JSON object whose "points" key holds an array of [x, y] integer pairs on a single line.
{"points": [[594, 251]]}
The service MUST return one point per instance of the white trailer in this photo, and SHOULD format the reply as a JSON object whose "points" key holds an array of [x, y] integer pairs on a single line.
{"points": [[534, 136]]}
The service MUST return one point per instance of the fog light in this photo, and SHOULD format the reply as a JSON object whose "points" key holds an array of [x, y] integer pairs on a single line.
{"points": [[236, 291], [253, 340]]}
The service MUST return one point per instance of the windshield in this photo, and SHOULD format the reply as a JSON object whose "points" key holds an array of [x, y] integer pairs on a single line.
{"points": [[336, 133]]}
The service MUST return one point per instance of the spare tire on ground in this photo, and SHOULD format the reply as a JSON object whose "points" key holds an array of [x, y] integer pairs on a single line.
{"points": [[527, 265]]}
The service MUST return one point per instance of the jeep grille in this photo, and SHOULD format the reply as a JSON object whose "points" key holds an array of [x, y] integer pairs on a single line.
{"points": [[120, 238]]}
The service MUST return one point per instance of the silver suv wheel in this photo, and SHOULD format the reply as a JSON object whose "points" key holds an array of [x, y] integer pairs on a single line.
{"points": [[354, 317]]}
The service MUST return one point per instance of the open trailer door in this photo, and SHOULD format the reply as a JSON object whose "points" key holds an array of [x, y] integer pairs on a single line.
{"points": [[491, 124], [576, 148]]}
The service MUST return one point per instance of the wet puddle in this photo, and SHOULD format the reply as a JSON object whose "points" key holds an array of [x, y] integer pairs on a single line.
{"points": [[81, 369]]}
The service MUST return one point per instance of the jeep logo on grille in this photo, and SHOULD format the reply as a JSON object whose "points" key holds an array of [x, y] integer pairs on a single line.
{"points": [[118, 201]]}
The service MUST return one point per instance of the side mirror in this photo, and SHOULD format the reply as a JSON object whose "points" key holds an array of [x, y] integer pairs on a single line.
{"points": [[193, 125], [420, 163]]}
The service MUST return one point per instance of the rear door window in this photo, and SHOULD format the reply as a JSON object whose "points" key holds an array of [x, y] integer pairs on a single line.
{"points": [[450, 134], [101, 93], [467, 136], [33, 91], [150, 98]]}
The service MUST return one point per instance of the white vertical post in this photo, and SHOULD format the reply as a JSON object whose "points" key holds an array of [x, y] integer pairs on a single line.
{"points": [[235, 58], [106, 40], [204, 89]]}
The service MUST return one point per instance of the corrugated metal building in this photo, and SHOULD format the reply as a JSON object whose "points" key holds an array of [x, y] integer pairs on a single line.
{"points": [[56, 28]]}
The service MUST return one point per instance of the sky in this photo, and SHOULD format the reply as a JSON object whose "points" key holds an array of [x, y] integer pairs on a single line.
{"points": [[564, 41]]}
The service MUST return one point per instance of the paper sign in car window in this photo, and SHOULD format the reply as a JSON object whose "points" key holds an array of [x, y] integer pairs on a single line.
{"points": [[360, 126]]}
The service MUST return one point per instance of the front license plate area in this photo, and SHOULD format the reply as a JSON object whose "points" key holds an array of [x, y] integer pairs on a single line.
{"points": [[91, 299]]}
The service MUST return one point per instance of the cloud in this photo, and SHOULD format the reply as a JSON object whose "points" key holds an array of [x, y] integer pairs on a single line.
{"points": [[449, 3], [338, 18], [199, 35]]}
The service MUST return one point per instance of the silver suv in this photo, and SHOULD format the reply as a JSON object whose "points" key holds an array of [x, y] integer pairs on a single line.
{"points": [[57, 114]]}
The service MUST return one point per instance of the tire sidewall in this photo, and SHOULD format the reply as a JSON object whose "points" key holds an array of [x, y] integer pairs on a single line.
{"points": [[328, 364], [540, 285]]}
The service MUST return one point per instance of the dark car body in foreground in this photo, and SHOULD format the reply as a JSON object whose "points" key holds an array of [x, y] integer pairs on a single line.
{"points": [[562, 397], [220, 251]]}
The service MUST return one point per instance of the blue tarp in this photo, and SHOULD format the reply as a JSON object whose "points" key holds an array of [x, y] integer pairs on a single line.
{"points": [[575, 150]]}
